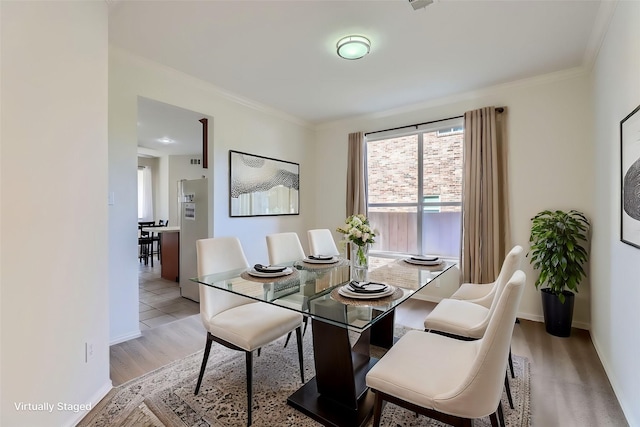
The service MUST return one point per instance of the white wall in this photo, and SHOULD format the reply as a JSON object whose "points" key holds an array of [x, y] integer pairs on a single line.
{"points": [[616, 266], [237, 124], [550, 157], [54, 208]]}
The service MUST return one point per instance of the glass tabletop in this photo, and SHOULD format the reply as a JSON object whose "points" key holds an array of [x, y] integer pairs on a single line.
{"points": [[319, 290]]}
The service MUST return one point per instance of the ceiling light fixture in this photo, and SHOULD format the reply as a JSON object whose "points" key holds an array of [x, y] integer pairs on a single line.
{"points": [[353, 47], [166, 140]]}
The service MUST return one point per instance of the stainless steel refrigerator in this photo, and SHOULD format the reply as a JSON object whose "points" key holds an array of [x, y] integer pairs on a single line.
{"points": [[193, 209]]}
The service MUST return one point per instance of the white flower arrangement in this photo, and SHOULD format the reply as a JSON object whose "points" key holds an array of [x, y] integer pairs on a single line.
{"points": [[356, 229]]}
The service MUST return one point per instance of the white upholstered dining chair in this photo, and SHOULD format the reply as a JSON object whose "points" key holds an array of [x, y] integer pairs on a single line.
{"points": [[483, 293], [321, 242], [284, 248], [453, 381], [468, 319], [235, 321]]}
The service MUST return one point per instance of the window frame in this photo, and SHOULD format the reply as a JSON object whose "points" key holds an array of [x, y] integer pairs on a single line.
{"points": [[420, 204]]}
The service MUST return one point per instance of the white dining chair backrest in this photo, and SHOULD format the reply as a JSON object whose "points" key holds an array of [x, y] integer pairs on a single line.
{"points": [[510, 265], [216, 255], [321, 242], [482, 388], [284, 248]]}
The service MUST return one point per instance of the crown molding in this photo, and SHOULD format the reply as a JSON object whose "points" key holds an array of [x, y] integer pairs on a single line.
{"points": [[599, 32], [211, 88], [463, 96]]}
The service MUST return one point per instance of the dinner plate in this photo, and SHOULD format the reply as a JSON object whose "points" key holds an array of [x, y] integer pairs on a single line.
{"points": [[418, 262], [345, 292], [331, 260], [285, 272], [427, 258], [268, 268], [366, 287]]}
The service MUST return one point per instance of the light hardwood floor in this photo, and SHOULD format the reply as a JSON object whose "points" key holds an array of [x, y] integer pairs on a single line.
{"points": [[568, 383], [160, 299]]}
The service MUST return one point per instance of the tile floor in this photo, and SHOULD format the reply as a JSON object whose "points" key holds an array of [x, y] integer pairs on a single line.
{"points": [[160, 300]]}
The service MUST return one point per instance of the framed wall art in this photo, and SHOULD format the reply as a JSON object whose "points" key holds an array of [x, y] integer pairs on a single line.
{"points": [[261, 186], [630, 170]]}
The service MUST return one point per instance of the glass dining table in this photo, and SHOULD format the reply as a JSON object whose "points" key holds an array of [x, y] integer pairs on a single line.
{"points": [[344, 325]]}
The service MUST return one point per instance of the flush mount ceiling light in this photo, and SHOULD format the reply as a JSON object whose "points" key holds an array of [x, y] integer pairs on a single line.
{"points": [[166, 140], [353, 47]]}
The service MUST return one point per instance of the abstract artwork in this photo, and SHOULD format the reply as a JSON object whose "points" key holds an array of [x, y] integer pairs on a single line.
{"points": [[260, 186], [630, 162]]}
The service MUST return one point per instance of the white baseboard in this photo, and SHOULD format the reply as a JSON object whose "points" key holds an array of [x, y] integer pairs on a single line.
{"points": [[125, 337], [626, 410], [540, 318], [428, 298], [94, 400]]}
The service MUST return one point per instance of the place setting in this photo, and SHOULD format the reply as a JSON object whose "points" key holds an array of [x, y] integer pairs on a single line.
{"points": [[321, 259], [269, 271], [424, 260], [366, 293], [366, 290]]}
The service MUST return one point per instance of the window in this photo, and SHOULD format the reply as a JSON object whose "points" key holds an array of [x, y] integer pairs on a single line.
{"points": [[145, 199], [415, 189]]}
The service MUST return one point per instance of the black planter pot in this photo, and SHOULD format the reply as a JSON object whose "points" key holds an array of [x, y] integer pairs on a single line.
{"points": [[557, 316]]}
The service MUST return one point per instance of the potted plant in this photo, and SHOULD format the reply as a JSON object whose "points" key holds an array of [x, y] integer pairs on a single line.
{"points": [[557, 249]]}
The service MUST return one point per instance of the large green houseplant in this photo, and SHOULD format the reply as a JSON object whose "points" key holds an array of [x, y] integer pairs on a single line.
{"points": [[558, 239]]}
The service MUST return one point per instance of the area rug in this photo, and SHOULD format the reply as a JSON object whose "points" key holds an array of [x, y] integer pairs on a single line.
{"points": [[164, 397]]}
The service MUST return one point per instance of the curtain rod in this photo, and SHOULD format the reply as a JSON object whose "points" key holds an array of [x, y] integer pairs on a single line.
{"points": [[498, 110]]}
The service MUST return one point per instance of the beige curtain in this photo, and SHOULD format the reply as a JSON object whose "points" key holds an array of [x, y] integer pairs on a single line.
{"points": [[485, 216], [356, 170]]}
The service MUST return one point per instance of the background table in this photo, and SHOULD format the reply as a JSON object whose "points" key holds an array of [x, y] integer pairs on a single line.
{"points": [[170, 254]]}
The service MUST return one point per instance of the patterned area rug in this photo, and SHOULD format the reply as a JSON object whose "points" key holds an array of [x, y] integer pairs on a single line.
{"points": [[164, 397]]}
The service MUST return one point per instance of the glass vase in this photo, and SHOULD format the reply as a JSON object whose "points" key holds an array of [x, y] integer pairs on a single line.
{"points": [[359, 261]]}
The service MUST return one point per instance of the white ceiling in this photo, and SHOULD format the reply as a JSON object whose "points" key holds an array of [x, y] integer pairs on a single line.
{"points": [[168, 129], [281, 54]]}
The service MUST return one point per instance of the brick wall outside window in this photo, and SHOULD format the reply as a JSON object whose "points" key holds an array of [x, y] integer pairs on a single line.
{"points": [[393, 169]]}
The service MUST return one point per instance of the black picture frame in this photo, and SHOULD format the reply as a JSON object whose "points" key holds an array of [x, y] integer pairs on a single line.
{"points": [[630, 179], [262, 186]]}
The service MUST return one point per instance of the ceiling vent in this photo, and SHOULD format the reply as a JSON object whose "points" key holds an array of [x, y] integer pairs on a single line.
{"points": [[420, 4]]}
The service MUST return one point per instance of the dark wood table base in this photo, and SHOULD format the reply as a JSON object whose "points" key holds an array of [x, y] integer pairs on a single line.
{"points": [[338, 395], [329, 412]]}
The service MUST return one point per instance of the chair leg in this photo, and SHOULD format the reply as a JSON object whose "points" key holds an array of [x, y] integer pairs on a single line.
{"points": [[305, 321], [377, 410], [508, 388], [501, 414], [494, 420], [207, 349], [299, 340], [511, 364], [249, 362]]}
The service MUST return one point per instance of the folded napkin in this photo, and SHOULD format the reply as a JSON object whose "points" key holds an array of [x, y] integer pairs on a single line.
{"points": [[268, 268], [321, 257], [424, 258], [366, 287]]}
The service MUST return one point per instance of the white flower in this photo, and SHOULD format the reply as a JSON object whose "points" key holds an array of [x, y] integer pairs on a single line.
{"points": [[357, 230]]}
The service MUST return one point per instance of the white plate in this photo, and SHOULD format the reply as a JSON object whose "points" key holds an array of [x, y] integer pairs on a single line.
{"points": [[345, 292], [332, 260], [426, 263], [427, 258], [255, 273]]}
